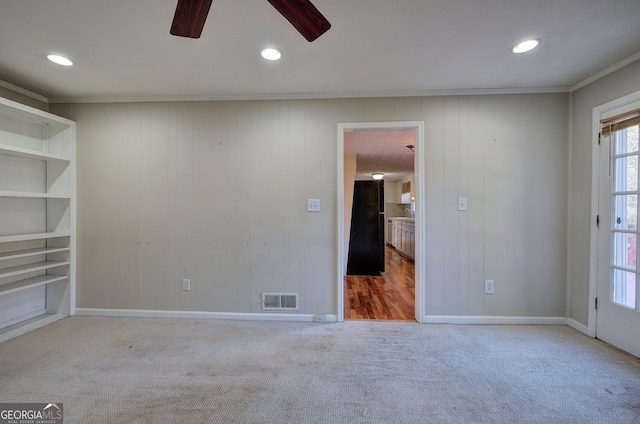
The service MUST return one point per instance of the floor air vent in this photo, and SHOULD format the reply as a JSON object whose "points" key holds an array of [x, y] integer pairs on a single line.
{"points": [[280, 301]]}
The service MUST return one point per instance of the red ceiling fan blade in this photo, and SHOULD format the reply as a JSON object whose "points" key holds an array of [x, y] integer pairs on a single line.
{"points": [[189, 18], [303, 16]]}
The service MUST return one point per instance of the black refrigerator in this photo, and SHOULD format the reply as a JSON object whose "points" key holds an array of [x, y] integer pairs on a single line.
{"points": [[366, 241]]}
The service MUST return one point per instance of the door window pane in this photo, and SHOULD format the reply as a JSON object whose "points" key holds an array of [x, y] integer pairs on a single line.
{"points": [[624, 248], [626, 175], [625, 212], [623, 288], [626, 141]]}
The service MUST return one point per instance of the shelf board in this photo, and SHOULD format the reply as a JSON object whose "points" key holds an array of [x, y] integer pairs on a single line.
{"points": [[24, 269], [21, 111], [31, 154], [19, 329], [29, 283], [31, 252], [34, 195], [33, 236]]}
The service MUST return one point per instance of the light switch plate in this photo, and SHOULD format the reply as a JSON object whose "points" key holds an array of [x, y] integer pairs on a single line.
{"points": [[313, 205], [489, 286], [462, 203]]}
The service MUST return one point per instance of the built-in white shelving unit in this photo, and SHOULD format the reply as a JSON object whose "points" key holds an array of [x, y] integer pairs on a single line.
{"points": [[37, 218]]}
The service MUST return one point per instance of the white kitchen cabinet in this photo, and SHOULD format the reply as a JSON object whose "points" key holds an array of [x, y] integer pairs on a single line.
{"points": [[403, 236], [409, 237], [406, 186], [37, 218], [398, 192], [397, 234], [394, 233]]}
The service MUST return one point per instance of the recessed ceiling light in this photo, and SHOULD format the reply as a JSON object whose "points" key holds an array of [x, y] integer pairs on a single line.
{"points": [[60, 60], [526, 46], [271, 54]]}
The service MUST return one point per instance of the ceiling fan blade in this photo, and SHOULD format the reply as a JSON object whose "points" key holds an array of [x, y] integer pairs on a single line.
{"points": [[189, 18], [303, 16]]}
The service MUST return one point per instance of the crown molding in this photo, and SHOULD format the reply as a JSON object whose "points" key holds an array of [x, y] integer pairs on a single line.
{"points": [[308, 96], [606, 71]]}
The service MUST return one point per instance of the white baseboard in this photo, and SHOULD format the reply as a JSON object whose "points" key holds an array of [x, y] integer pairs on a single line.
{"points": [[29, 325], [456, 319], [579, 327], [241, 316], [141, 313], [22, 318]]}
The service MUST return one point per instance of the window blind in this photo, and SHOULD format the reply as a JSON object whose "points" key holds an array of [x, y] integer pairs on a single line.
{"points": [[620, 122]]}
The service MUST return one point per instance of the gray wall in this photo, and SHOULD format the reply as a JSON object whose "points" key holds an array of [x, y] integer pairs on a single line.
{"points": [[216, 192], [507, 155], [615, 85], [131, 150]]}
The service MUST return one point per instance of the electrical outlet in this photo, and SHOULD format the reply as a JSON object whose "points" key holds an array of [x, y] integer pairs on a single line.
{"points": [[186, 285], [489, 287], [313, 205], [319, 318]]}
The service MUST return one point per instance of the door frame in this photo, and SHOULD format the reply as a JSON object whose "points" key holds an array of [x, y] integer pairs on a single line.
{"points": [[598, 113], [420, 190]]}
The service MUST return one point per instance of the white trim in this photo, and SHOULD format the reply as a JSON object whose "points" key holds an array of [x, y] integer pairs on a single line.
{"points": [[419, 171], [593, 236], [341, 266], [237, 316], [24, 92], [580, 327], [567, 303], [491, 320], [606, 71], [420, 222], [23, 318], [24, 328], [307, 96], [73, 222]]}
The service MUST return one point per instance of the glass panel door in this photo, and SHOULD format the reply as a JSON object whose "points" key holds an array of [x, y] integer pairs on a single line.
{"points": [[624, 225], [618, 308]]}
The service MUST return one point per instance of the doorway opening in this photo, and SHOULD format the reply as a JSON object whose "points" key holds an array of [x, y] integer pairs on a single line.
{"points": [[380, 222]]}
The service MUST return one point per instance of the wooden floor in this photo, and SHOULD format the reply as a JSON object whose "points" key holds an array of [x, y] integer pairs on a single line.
{"points": [[388, 297]]}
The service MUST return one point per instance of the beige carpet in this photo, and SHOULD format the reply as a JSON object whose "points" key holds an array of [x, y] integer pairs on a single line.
{"points": [[119, 370]]}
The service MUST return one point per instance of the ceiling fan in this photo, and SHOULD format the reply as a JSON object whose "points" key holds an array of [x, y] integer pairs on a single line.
{"points": [[191, 15]]}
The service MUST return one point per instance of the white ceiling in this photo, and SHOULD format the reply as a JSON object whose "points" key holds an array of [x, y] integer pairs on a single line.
{"points": [[123, 48], [123, 51]]}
